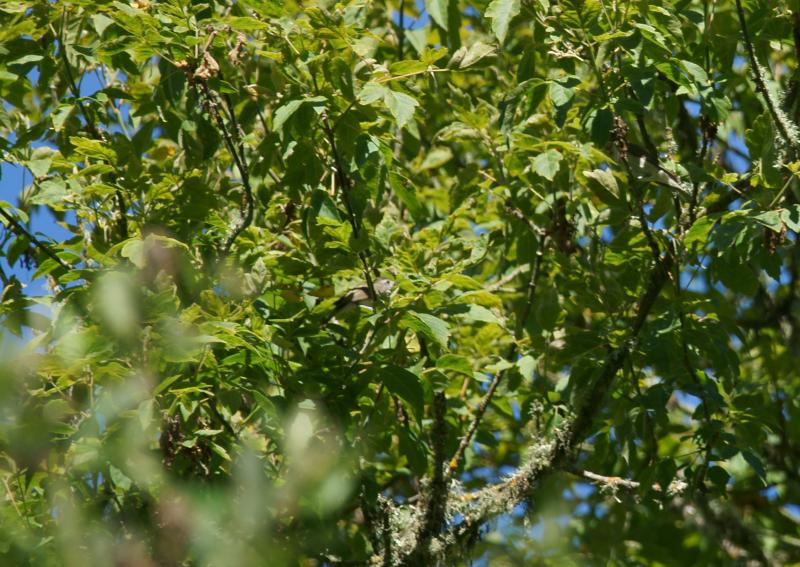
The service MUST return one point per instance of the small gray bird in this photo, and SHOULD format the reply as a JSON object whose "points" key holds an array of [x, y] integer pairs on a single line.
{"points": [[360, 295], [643, 167]]}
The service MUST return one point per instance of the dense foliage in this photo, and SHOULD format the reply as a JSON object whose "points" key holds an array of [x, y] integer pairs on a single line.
{"points": [[590, 209]]}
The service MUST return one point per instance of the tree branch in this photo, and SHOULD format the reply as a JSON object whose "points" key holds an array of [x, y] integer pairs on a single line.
{"points": [[22, 231], [612, 483], [786, 129], [736, 537], [436, 498], [556, 451], [122, 206], [345, 184], [247, 197], [484, 404]]}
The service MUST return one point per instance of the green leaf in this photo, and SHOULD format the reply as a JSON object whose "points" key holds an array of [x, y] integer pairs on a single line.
{"points": [[563, 91], [526, 366], [413, 449], [245, 23], [579, 13], [30, 58], [695, 71], [39, 167], [604, 185], [372, 92], [471, 55], [477, 313], [600, 123], [438, 11], [791, 218], [406, 192], [478, 248], [454, 362], [502, 12], [770, 219], [8, 207], [457, 130], [462, 281], [562, 95], [700, 230], [221, 451], [133, 250], [286, 111], [427, 325], [408, 67], [549, 309], [208, 432], [166, 383], [429, 55], [719, 476], [756, 464], [45, 268], [405, 385], [93, 149], [60, 114], [101, 22], [51, 192], [400, 105], [547, 164], [119, 479], [436, 157]]}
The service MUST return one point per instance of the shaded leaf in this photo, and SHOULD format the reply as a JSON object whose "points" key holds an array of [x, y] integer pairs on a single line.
{"points": [[501, 13], [405, 385]]}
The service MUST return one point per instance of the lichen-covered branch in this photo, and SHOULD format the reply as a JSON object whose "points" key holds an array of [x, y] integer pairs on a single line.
{"points": [[788, 131], [556, 451]]}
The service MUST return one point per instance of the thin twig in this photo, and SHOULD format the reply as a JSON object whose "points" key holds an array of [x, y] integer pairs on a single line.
{"points": [[342, 114], [90, 125], [508, 277], [476, 420], [401, 32], [709, 131], [345, 185], [22, 231], [90, 122], [612, 482], [237, 132], [652, 153], [487, 398], [13, 500], [531, 288], [247, 197], [431, 70], [780, 193], [687, 364]]}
